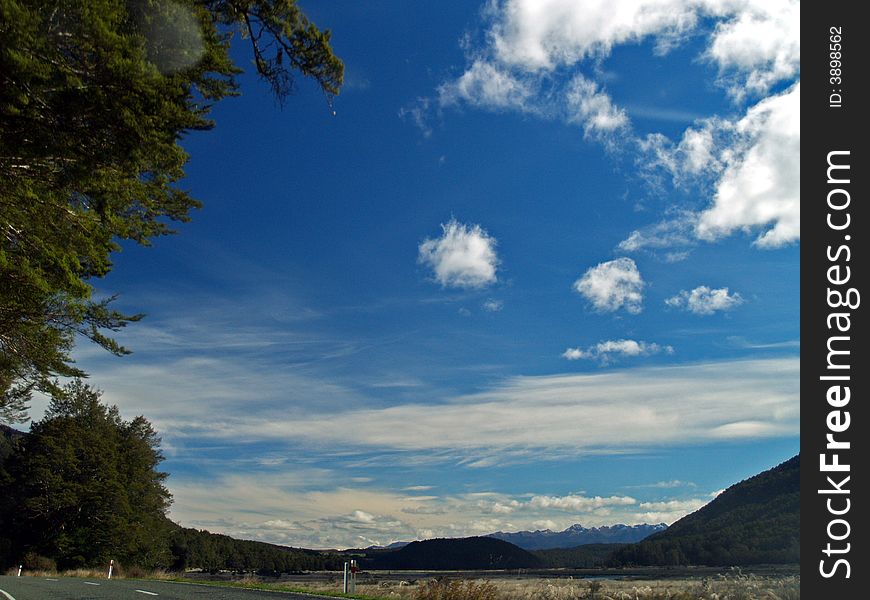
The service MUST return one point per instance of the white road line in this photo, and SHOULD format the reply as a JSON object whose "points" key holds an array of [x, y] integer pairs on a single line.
{"points": [[147, 592], [7, 594], [50, 579], [91, 583]]}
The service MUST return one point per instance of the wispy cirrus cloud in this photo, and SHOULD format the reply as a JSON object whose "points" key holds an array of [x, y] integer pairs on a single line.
{"points": [[613, 412]]}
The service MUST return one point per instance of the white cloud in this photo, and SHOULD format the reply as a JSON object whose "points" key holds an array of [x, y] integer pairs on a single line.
{"points": [[493, 305], [605, 351], [485, 84], [755, 43], [694, 157], [464, 256], [759, 46], [576, 503], [705, 301], [612, 285], [677, 231], [750, 164], [591, 107], [760, 186], [361, 516], [544, 34], [685, 506]]}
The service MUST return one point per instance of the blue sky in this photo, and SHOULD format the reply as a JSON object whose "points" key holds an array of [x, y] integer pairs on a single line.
{"points": [[541, 267]]}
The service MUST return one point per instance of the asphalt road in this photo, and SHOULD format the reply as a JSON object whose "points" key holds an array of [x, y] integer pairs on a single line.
{"points": [[71, 588]]}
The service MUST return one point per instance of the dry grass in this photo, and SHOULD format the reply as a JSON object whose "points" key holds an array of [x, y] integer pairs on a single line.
{"points": [[731, 587], [456, 590]]}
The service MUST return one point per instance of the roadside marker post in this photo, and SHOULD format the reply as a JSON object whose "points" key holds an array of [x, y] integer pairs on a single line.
{"points": [[350, 569], [111, 564], [19, 570]]}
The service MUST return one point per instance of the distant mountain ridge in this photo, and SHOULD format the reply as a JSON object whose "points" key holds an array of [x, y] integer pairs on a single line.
{"points": [[577, 535]]}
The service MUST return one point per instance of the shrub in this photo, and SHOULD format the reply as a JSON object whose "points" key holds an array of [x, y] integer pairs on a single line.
{"points": [[134, 572], [36, 562]]}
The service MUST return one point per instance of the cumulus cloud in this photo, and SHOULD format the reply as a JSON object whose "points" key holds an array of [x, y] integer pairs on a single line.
{"points": [[751, 167], [755, 43], [612, 285], [760, 186], [705, 301], [759, 46], [463, 257], [605, 351]]}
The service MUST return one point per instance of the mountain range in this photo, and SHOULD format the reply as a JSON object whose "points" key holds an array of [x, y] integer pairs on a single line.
{"points": [[577, 535]]}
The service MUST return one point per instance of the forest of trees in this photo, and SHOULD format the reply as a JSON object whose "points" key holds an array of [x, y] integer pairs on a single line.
{"points": [[83, 486], [192, 548]]}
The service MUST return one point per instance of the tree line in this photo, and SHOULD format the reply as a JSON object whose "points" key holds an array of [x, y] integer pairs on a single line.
{"points": [[84, 487]]}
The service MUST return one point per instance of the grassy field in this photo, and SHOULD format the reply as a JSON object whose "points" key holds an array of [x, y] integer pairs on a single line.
{"points": [[729, 585]]}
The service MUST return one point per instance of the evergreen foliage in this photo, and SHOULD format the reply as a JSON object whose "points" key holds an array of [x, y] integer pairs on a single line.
{"points": [[84, 487], [94, 97], [756, 521]]}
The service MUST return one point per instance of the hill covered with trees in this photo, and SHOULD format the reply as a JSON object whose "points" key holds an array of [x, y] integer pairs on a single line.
{"points": [[455, 553], [193, 548], [587, 556], [756, 521]]}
